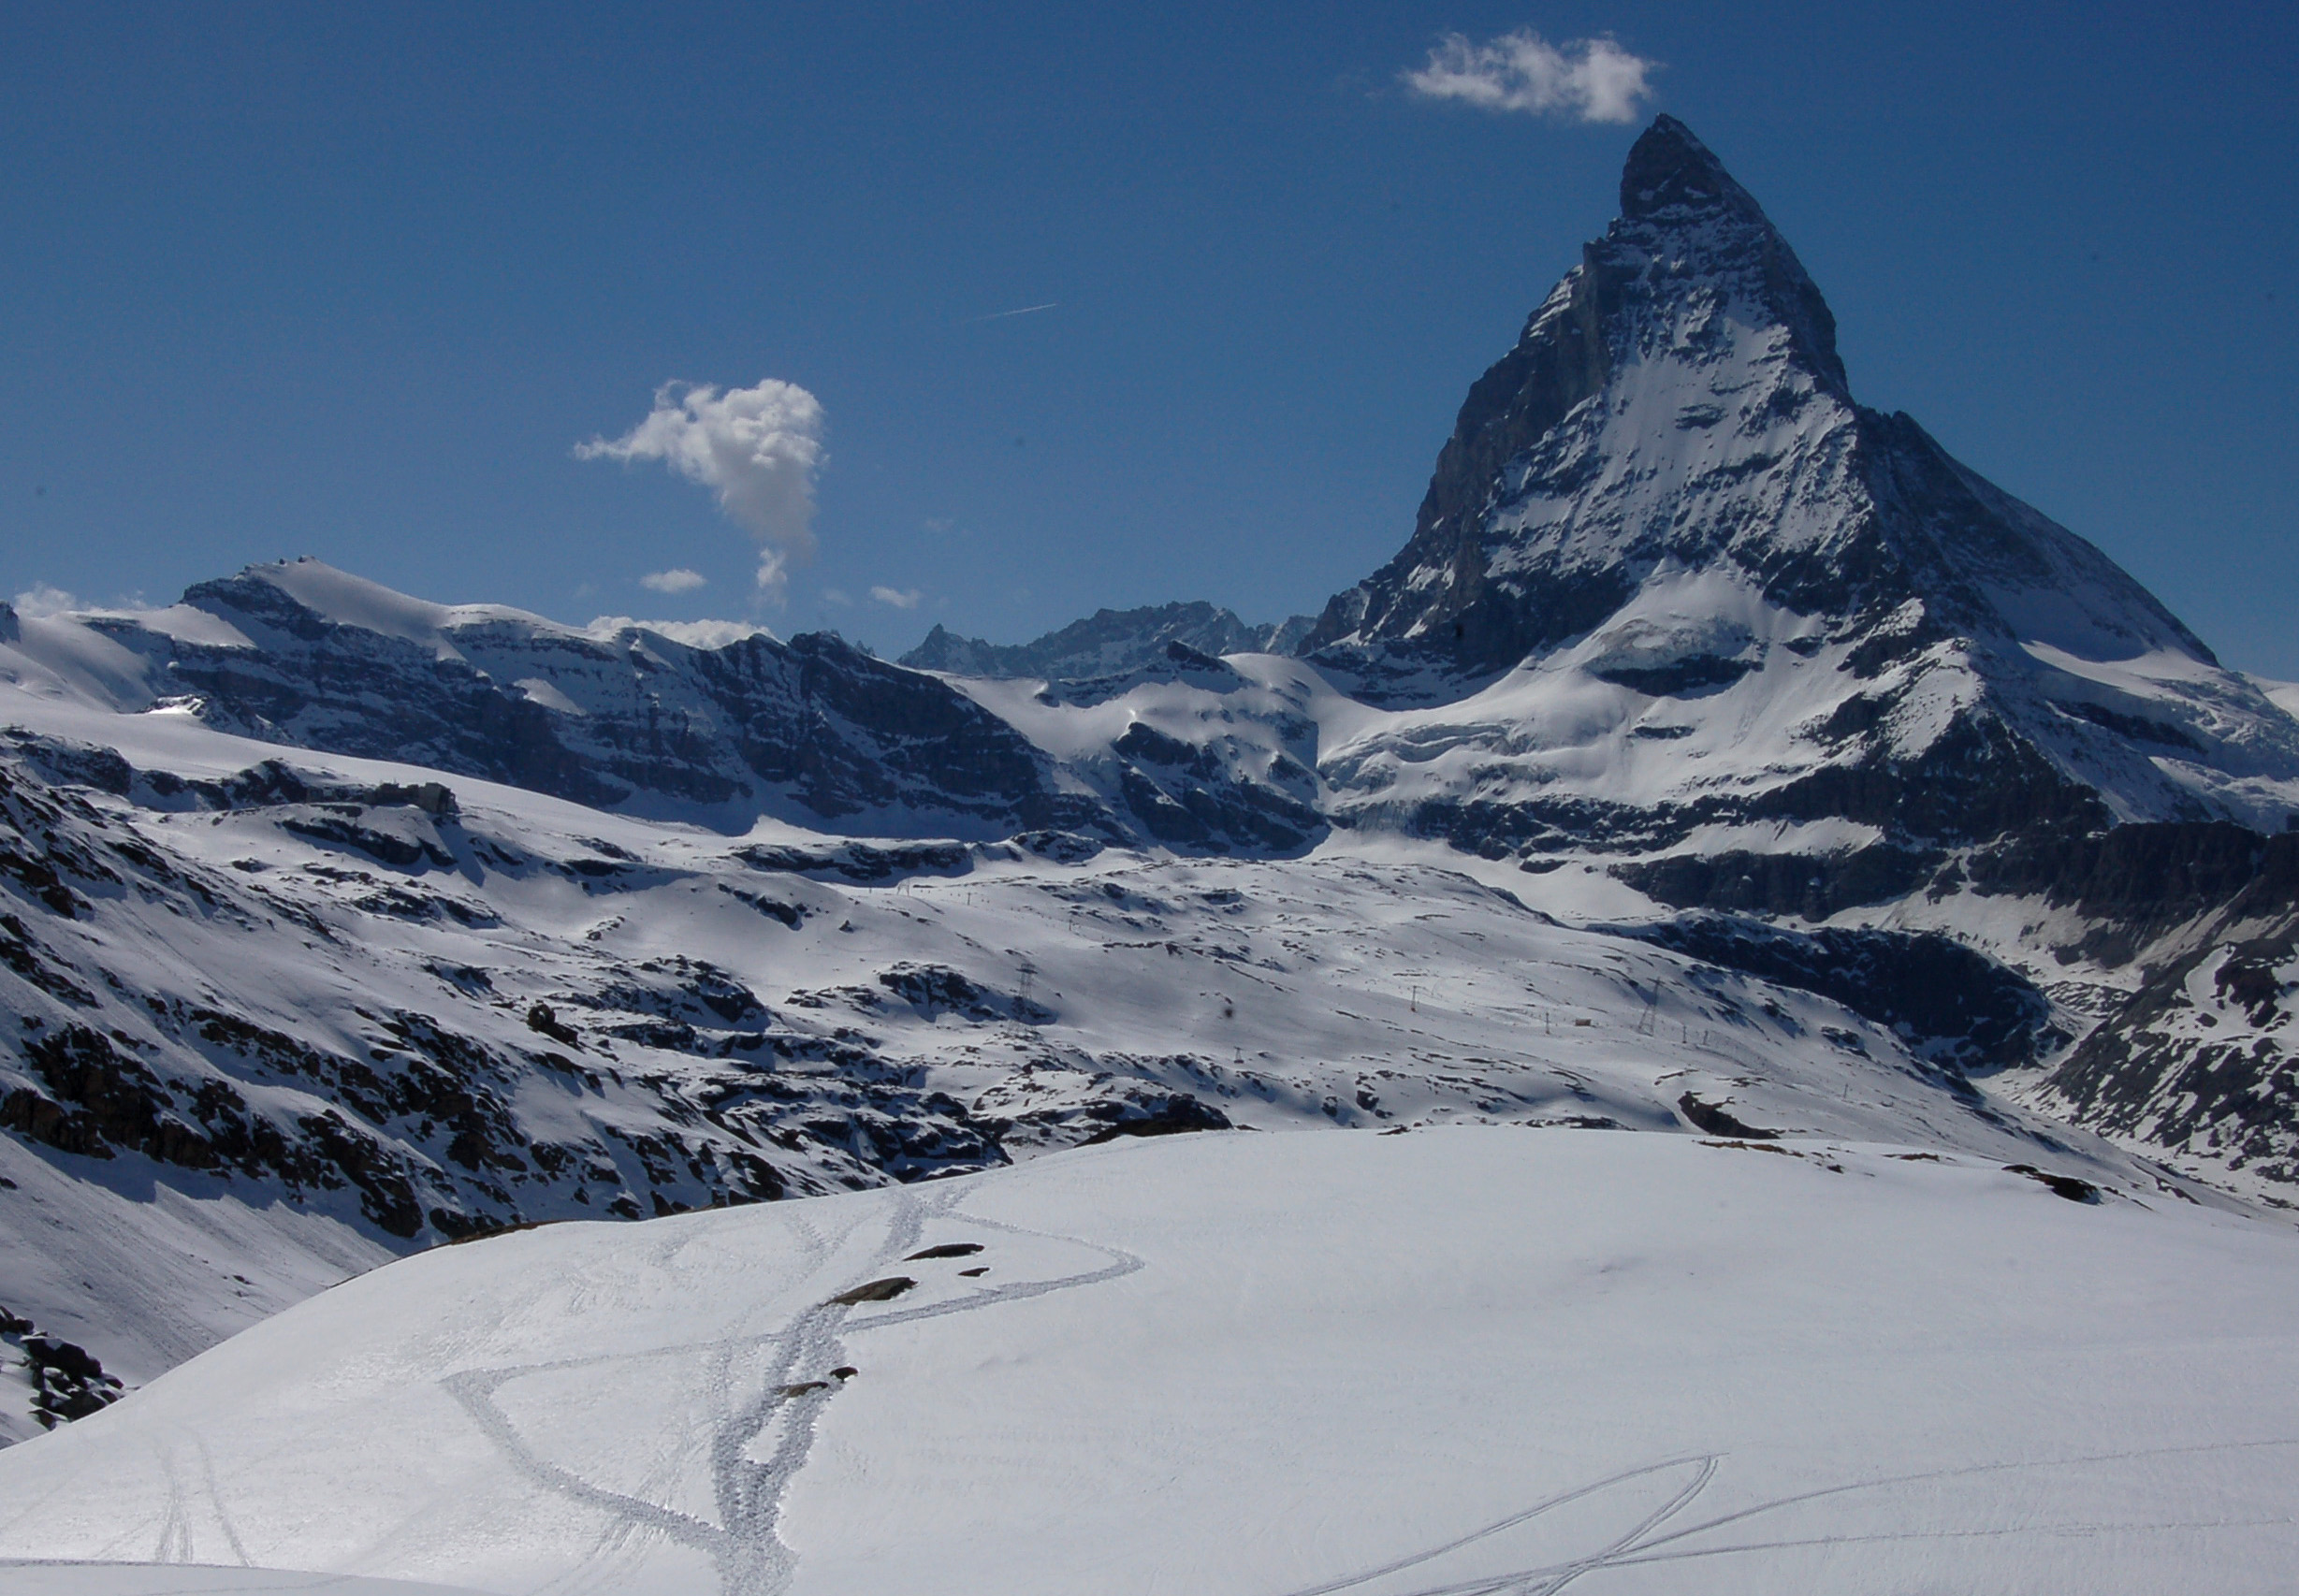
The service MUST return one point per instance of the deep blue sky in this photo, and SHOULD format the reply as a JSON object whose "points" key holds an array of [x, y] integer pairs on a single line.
{"points": [[288, 280]]}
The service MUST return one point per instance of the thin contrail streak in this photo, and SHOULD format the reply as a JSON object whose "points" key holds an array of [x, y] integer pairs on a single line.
{"points": [[1001, 315]]}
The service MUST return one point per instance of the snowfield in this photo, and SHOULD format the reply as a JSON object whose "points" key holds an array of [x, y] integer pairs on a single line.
{"points": [[1454, 1360], [178, 1579]]}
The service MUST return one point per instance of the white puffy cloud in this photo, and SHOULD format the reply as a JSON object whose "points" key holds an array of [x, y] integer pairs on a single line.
{"points": [[676, 580], [1587, 79], [756, 448], [900, 598], [40, 601]]}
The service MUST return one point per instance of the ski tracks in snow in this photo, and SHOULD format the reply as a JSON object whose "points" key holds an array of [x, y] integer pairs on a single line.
{"points": [[1646, 1544], [745, 1542]]}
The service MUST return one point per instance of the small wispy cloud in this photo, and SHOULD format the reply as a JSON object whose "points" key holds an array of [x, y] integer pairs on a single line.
{"points": [[758, 448], [1586, 80], [41, 601], [838, 596], [900, 598], [676, 580], [1024, 310]]}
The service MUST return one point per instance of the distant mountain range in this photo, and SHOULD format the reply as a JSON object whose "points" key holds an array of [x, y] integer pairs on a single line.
{"points": [[1109, 643]]}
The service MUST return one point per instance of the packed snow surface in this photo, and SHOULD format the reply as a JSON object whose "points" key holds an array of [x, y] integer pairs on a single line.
{"points": [[177, 1579], [1478, 1359]]}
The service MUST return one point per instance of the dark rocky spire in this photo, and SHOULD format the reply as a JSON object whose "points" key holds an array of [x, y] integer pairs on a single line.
{"points": [[1670, 169]]}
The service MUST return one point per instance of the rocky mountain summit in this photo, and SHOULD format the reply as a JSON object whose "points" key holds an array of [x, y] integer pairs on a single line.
{"points": [[1664, 510]]}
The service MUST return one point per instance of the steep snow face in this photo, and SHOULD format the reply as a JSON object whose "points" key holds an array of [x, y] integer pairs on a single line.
{"points": [[1666, 488], [1479, 1359], [1197, 749], [2284, 695], [1678, 402], [139, 1264], [1678, 395]]}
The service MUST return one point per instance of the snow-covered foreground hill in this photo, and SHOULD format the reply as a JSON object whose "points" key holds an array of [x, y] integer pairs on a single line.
{"points": [[1459, 1360], [166, 1579]]}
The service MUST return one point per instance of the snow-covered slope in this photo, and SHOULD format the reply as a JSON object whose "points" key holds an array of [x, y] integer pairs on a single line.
{"points": [[47, 1578], [318, 1012], [1456, 1361]]}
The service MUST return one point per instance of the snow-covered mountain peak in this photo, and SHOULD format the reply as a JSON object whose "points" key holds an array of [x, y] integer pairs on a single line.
{"points": [[304, 598], [1678, 403], [1688, 354], [1687, 228], [1663, 514]]}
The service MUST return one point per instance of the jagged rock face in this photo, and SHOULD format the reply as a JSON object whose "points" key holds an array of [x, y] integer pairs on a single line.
{"points": [[344, 1014], [2203, 1061], [58, 1381], [1109, 643], [411, 1118], [2201, 1065]]}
